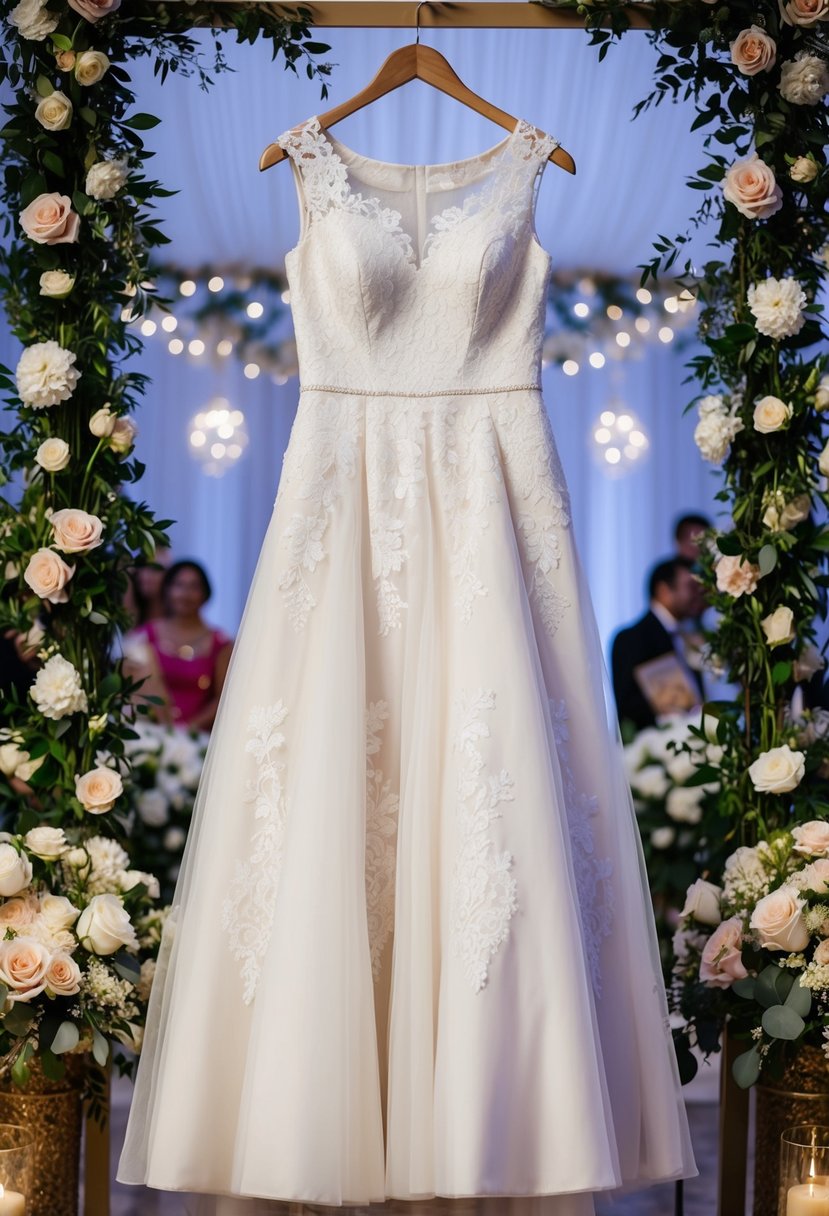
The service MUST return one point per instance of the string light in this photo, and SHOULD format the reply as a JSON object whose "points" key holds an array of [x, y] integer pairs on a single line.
{"points": [[644, 296], [175, 346], [581, 309], [615, 312], [597, 359], [216, 283], [169, 325], [620, 440], [666, 334], [570, 367], [623, 338], [195, 347], [217, 436], [224, 348], [252, 370], [187, 287], [148, 328], [255, 310]]}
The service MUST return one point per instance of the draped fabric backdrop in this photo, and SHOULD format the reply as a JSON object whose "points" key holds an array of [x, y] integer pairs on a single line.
{"points": [[629, 186]]}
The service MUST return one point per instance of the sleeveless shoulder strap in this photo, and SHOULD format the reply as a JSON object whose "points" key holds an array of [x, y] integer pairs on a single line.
{"points": [[321, 177]]}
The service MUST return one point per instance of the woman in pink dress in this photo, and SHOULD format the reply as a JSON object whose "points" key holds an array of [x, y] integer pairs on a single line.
{"points": [[179, 657]]}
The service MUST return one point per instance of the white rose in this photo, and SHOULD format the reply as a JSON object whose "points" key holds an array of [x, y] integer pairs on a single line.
{"points": [[106, 178], [778, 921], [771, 414], [122, 436], [11, 755], [105, 926], [815, 877], [650, 782], [702, 902], [63, 975], [57, 912], [753, 51], [715, 432], [54, 112], [663, 838], [808, 663], [27, 768], [779, 627], [56, 284], [76, 531], [812, 838], [750, 185], [777, 307], [152, 808], [681, 766], [803, 170], [777, 771], [822, 395], [47, 575], [823, 461], [15, 870], [683, 805], [90, 67], [102, 422], [98, 790], [131, 878], [45, 375], [46, 843], [23, 965], [33, 20], [53, 454], [57, 689], [804, 80]]}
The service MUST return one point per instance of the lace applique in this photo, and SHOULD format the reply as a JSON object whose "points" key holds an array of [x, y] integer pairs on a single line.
{"points": [[484, 895], [247, 912], [322, 455], [592, 874], [381, 840], [537, 483]]}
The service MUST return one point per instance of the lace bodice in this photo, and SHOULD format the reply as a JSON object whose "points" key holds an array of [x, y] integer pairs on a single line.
{"points": [[417, 278]]}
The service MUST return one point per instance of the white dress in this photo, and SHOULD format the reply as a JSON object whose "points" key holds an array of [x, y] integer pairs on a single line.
{"points": [[412, 954]]}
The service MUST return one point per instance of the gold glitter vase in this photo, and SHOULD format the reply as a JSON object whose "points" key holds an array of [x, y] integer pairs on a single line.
{"points": [[52, 1111], [800, 1096]]}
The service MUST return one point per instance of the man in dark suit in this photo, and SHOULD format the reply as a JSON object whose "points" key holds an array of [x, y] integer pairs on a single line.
{"points": [[672, 589]]}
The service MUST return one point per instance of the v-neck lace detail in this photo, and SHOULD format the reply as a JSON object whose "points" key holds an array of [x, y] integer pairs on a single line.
{"points": [[324, 162]]}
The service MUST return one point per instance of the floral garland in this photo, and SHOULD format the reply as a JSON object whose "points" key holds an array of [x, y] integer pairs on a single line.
{"points": [[80, 922], [757, 71]]}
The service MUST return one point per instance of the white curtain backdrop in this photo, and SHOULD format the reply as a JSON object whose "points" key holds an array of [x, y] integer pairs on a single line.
{"points": [[629, 186]]}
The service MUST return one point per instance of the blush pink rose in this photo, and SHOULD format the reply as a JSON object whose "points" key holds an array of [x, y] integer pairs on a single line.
{"points": [[23, 966], [751, 186], [94, 10], [47, 575], [721, 963], [17, 913], [753, 51], [736, 576], [812, 838], [50, 220], [76, 531], [804, 12], [63, 975], [778, 921]]}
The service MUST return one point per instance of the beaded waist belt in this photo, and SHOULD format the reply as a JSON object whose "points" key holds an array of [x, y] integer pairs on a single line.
{"points": [[449, 392]]}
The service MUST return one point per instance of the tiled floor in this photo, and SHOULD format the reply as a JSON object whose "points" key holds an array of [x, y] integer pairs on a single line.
{"points": [[659, 1201]]}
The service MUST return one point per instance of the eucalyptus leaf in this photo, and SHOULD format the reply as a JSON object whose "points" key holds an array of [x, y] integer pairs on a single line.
{"points": [[781, 1022], [67, 1037], [100, 1048], [765, 991], [767, 559], [44, 86], [745, 988], [799, 999], [746, 1068]]}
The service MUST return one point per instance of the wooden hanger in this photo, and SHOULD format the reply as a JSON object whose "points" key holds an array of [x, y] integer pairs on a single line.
{"points": [[416, 62]]}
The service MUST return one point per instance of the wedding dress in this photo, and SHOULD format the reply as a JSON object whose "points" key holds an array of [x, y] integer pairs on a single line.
{"points": [[411, 955]]}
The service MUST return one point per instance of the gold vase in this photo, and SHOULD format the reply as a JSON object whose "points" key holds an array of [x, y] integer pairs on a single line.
{"points": [[53, 1113], [800, 1096]]}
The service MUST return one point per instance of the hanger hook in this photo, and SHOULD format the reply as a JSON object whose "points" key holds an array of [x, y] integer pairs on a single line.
{"points": [[417, 20]]}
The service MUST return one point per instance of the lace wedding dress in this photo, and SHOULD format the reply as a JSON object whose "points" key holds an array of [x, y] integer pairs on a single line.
{"points": [[411, 954]]}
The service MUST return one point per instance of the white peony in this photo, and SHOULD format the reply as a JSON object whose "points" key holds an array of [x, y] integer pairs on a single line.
{"points": [[15, 870], [106, 178], [716, 429], [778, 770], [56, 284], [46, 843], [650, 782], [777, 306], [54, 112], [683, 805], [104, 926], [53, 454], [152, 808], [45, 375], [804, 80], [702, 902], [57, 690], [33, 20]]}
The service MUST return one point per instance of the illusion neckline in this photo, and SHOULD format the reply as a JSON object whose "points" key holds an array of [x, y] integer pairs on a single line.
{"points": [[349, 155]]}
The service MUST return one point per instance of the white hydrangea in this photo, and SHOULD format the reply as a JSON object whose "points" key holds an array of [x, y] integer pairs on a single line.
{"points": [[105, 178], [57, 690], [716, 429], [109, 862], [777, 306], [46, 375], [804, 80], [33, 20]]}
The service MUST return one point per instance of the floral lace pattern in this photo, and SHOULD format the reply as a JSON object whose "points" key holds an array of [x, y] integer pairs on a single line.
{"points": [[247, 912], [592, 873], [382, 806], [484, 892]]}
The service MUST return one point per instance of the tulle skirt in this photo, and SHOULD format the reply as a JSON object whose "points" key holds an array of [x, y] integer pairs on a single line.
{"points": [[411, 953]]}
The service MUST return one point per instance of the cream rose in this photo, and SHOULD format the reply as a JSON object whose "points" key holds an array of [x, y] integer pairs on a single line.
{"points": [[122, 436], [46, 374], [771, 414], [104, 925], [23, 966], [736, 576], [753, 51], [778, 922], [65, 60], [131, 878], [54, 112], [803, 12], [94, 10], [778, 770], [45, 842], [812, 838], [702, 902], [47, 575], [33, 20], [53, 454], [57, 690], [98, 790], [823, 461], [56, 284], [17, 913], [63, 975], [11, 754], [105, 178], [822, 395], [50, 220], [76, 531], [803, 170], [90, 67], [27, 768], [58, 912], [102, 422], [15, 870], [779, 627], [795, 512], [721, 962], [750, 185], [808, 663]]}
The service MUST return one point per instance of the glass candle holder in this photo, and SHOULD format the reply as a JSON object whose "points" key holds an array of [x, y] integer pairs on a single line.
{"points": [[17, 1156], [804, 1171]]}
